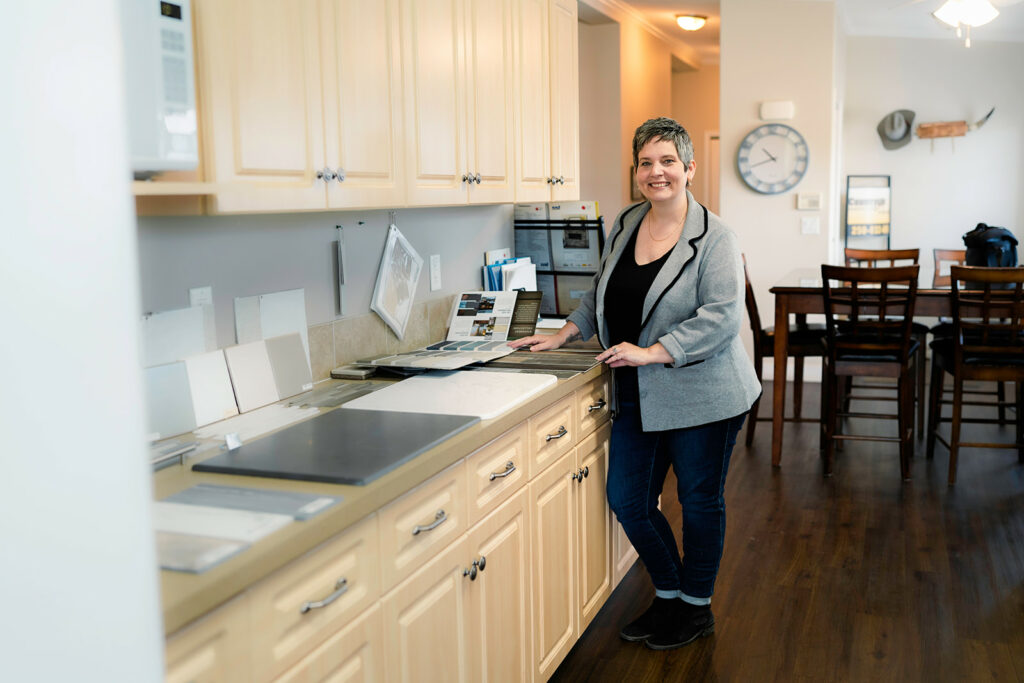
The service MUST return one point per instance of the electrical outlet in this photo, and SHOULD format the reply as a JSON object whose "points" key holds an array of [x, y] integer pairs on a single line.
{"points": [[200, 296], [435, 272]]}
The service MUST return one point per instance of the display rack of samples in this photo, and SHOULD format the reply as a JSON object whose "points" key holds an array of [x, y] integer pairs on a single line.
{"points": [[567, 253]]}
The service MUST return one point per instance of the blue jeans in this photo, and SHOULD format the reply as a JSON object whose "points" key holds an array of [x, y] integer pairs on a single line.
{"points": [[637, 464]]}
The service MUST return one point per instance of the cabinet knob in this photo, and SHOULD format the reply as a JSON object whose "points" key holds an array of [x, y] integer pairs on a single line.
{"points": [[561, 180], [577, 476], [482, 563], [551, 180], [477, 179], [471, 572], [586, 471], [466, 178], [340, 175], [325, 174]]}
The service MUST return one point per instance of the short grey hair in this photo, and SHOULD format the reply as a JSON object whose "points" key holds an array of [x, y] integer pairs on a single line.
{"points": [[663, 128]]}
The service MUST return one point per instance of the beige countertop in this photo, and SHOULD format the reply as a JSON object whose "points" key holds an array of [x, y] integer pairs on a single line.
{"points": [[185, 597]]}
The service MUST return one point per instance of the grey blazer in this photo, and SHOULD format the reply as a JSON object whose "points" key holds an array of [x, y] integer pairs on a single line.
{"points": [[695, 309]]}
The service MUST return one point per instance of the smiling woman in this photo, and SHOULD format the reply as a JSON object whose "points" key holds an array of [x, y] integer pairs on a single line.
{"points": [[666, 305]]}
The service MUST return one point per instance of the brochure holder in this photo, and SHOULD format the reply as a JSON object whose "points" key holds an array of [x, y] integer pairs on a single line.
{"points": [[567, 253]]}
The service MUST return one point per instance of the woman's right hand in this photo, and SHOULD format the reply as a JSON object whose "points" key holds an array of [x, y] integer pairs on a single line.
{"points": [[547, 342], [538, 342]]}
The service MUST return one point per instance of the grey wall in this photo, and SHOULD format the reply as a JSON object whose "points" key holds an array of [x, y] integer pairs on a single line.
{"points": [[256, 254]]}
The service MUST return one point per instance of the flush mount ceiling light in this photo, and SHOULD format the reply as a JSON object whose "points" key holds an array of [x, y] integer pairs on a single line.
{"points": [[958, 13], [690, 22]]}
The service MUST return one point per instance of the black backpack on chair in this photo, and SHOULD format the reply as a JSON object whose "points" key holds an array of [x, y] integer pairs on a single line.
{"points": [[991, 246]]}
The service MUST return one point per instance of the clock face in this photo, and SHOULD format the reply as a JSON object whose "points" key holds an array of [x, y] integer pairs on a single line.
{"points": [[772, 158]]}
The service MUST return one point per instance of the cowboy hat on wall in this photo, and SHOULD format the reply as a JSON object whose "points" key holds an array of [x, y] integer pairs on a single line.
{"points": [[894, 129]]}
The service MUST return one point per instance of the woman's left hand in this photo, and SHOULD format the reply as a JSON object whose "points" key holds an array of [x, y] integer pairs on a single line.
{"points": [[625, 354]]}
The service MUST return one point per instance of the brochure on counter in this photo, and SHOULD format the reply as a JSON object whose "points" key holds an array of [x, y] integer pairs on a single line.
{"points": [[479, 327]]}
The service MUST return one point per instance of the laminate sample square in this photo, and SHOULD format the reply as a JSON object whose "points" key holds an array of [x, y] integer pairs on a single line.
{"points": [[288, 361], [251, 375], [168, 400], [213, 398]]}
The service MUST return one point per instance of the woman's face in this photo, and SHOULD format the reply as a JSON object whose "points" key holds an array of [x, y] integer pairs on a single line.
{"points": [[660, 174]]}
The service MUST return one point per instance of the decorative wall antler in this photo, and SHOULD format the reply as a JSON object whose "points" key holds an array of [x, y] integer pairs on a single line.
{"points": [[951, 129]]}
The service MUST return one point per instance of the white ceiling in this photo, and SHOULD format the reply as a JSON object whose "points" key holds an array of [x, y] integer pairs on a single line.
{"points": [[892, 18]]}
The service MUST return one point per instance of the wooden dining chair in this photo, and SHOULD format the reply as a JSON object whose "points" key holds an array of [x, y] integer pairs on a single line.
{"points": [[944, 328], [804, 341], [868, 317], [874, 258], [987, 344]]}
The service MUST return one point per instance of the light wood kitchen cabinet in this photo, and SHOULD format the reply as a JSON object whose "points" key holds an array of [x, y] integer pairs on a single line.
{"points": [[496, 471], [594, 532], [354, 654], [499, 598], [421, 523], [552, 433], [593, 404], [425, 621], [306, 602], [215, 649], [293, 92], [458, 68], [547, 102]]}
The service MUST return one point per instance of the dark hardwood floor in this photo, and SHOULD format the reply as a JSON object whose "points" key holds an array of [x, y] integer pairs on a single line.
{"points": [[859, 577]]}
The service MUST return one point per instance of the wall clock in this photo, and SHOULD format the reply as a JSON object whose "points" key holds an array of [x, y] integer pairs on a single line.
{"points": [[772, 158]]}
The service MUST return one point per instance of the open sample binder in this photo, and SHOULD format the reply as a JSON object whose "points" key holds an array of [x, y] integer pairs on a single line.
{"points": [[479, 327]]}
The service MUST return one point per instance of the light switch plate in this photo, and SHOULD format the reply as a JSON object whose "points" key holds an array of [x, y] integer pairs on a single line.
{"points": [[810, 225], [435, 272], [200, 296]]}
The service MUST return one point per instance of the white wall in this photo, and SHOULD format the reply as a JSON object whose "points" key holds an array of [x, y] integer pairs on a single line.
{"points": [[78, 576], [941, 189], [778, 50], [601, 158]]}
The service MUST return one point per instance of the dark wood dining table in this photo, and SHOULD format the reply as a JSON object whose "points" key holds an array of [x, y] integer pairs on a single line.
{"points": [[800, 292]]}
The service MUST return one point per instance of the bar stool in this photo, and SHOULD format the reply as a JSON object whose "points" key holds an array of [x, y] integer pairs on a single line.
{"points": [[805, 340], [873, 258], [987, 344], [868, 334]]}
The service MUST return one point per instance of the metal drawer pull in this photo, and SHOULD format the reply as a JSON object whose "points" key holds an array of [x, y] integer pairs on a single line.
{"points": [[510, 467], [340, 589], [562, 431], [439, 519], [601, 403]]}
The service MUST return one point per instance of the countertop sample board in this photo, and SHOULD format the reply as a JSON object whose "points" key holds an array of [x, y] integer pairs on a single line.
{"points": [[480, 393], [339, 447]]}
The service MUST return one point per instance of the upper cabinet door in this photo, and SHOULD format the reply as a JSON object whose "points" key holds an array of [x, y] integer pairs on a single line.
{"points": [[259, 69], [565, 103], [435, 103], [533, 101], [489, 78], [362, 111]]}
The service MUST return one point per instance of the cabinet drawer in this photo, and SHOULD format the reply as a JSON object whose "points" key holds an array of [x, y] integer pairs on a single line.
{"points": [[593, 404], [496, 471], [214, 649], [421, 523], [354, 654], [552, 433], [305, 602]]}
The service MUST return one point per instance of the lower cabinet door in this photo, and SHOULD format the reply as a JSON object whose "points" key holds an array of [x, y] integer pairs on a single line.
{"points": [[499, 598], [595, 579], [215, 649], [425, 621], [354, 654], [555, 590]]}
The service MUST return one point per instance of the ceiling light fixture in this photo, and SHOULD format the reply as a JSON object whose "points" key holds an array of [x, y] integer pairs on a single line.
{"points": [[690, 22], [959, 13]]}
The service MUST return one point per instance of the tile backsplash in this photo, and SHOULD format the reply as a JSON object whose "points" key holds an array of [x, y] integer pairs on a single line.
{"points": [[352, 338]]}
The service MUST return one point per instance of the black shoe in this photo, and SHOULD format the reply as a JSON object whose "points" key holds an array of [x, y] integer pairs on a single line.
{"points": [[690, 623], [657, 617]]}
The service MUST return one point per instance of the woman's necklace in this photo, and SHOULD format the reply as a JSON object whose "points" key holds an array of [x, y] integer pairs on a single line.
{"points": [[650, 231]]}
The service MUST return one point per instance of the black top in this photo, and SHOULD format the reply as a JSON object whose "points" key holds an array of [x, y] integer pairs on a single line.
{"points": [[624, 305]]}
